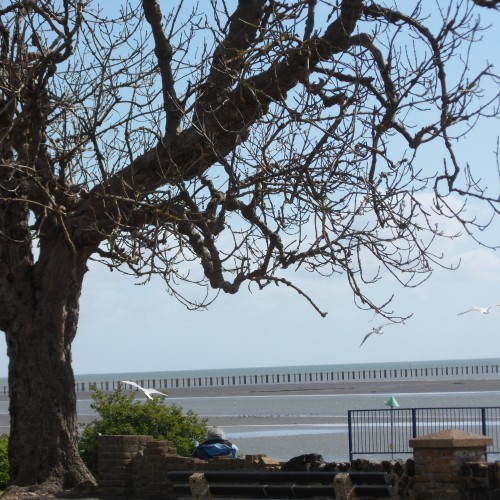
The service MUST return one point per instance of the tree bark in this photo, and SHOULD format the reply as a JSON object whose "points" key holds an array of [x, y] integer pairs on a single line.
{"points": [[44, 432]]}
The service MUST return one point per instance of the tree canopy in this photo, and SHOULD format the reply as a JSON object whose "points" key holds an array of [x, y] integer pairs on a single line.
{"points": [[217, 145], [296, 139]]}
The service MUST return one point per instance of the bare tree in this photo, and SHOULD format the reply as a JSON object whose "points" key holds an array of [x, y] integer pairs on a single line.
{"points": [[217, 148]]}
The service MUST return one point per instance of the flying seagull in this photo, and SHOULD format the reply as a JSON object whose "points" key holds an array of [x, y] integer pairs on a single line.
{"points": [[482, 310], [148, 392], [377, 330]]}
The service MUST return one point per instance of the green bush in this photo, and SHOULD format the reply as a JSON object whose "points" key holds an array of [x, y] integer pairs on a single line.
{"points": [[120, 414], [4, 461]]}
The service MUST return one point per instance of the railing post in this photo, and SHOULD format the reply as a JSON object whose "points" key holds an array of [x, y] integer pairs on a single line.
{"points": [[349, 427], [483, 420], [414, 422]]}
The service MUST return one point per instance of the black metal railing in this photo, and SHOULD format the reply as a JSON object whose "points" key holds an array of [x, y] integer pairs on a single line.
{"points": [[388, 431]]}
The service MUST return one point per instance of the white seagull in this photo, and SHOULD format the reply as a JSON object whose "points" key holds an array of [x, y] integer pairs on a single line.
{"points": [[482, 310], [377, 330], [148, 392]]}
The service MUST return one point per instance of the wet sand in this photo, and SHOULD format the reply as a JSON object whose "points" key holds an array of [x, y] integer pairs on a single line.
{"points": [[348, 387], [344, 387]]}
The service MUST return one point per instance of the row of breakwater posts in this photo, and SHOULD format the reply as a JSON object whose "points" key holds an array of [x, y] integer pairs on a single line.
{"points": [[442, 372], [417, 373]]}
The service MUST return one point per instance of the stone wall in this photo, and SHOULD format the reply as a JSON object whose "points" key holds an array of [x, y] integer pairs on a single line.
{"points": [[480, 480]]}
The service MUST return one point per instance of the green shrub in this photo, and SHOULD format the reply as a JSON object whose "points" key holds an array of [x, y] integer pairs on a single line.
{"points": [[4, 461], [120, 414]]}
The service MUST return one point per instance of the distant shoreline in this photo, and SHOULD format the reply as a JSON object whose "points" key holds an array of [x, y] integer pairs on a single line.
{"points": [[312, 388], [347, 387], [344, 387]]}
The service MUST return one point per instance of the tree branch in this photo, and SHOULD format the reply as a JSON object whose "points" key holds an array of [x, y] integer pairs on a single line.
{"points": [[163, 51]]}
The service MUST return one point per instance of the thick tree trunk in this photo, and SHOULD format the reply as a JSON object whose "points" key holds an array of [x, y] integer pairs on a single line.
{"points": [[43, 435]]}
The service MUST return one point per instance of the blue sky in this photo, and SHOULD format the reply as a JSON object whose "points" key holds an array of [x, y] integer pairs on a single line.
{"points": [[129, 328]]}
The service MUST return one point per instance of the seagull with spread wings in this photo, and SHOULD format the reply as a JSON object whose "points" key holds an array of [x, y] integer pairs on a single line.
{"points": [[148, 392], [482, 310], [377, 330]]}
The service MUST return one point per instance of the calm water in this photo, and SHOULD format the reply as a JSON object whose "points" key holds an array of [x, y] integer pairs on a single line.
{"points": [[330, 439], [286, 441]]}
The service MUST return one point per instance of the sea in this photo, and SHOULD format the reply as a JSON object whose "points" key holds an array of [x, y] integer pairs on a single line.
{"points": [[329, 436]]}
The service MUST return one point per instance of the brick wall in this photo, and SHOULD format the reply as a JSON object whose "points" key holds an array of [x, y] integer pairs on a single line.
{"points": [[115, 456], [137, 466], [446, 465], [439, 460]]}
